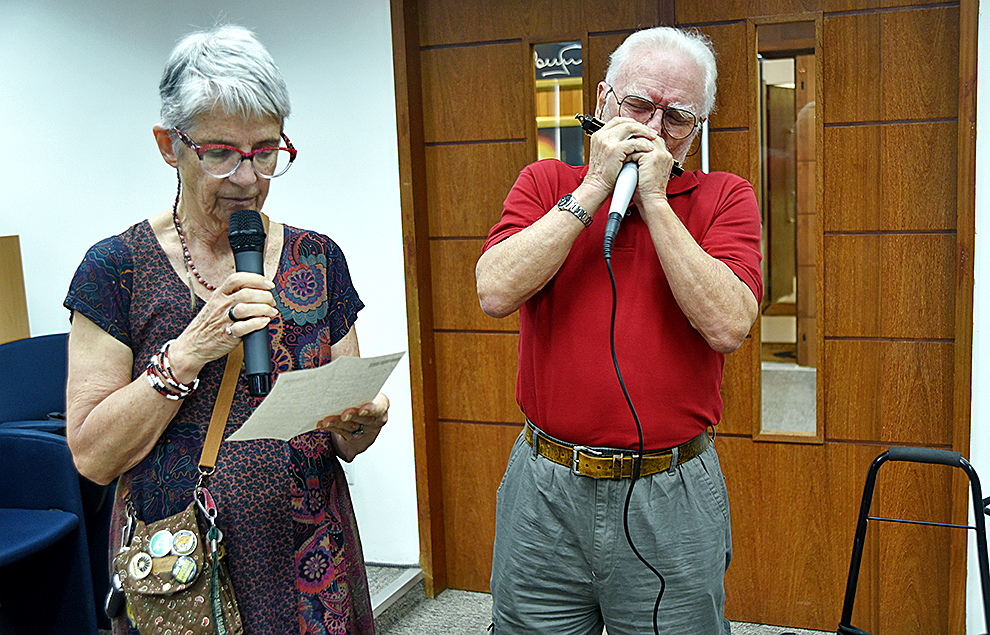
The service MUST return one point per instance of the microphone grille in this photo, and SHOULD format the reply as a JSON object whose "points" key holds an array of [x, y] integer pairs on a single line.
{"points": [[246, 231]]}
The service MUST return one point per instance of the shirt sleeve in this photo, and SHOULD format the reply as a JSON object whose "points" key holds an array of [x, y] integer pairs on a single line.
{"points": [[734, 234], [102, 285], [344, 299], [314, 283]]}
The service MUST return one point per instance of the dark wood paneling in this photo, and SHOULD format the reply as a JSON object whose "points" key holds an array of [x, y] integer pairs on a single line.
{"points": [[468, 184], [790, 566], [477, 92], [908, 570], [729, 151], [790, 560], [473, 458], [455, 297], [879, 66], [851, 68], [618, 16], [893, 392], [600, 47], [419, 309], [731, 109], [739, 388], [698, 11], [919, 177], [898, 286], [454, 21], [830, 6], [476, 377], [852, 178], [918, 46]]}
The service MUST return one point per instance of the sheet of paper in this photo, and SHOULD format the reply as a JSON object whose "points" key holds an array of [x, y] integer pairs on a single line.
{"points": [[301, 398]]}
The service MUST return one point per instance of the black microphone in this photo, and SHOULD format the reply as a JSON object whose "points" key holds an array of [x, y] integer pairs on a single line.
{"points": [[247, 240], [625, 185]]}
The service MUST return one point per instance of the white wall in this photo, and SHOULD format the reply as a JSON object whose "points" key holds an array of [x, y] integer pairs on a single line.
{"points": [[980, 433], [78, 98]]}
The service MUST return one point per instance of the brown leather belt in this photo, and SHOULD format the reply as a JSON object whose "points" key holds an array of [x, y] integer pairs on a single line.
{"points": [[614, 464]]}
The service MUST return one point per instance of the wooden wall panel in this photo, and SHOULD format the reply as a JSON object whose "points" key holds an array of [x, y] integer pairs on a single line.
{"points": [[850, 68], [831, 6], [791, 567], [456, 22], [473, 459], [730, 152], [476, 377], [893, 392], [884, 286], [879, 65], [908, 570], [734, 81], [851, 174], [919, 177], [700, 11], [600, 46], [473, 93], [916, 47], [740, 394], [13, 301], [620, 16], [892, 177], [455, 299], [468, 184], [790, 561]]}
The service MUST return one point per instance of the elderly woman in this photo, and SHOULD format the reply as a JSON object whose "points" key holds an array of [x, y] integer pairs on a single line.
{"points": [[294, 552]]}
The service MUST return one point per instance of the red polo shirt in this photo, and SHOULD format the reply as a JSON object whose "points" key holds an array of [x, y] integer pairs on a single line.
{"points": [[566, 382]]}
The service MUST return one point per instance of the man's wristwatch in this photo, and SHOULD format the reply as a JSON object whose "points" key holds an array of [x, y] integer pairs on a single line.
{"points": [[569, 204]]}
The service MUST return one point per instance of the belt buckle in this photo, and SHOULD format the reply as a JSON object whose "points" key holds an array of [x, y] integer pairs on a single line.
{"points": [[575, 460]]}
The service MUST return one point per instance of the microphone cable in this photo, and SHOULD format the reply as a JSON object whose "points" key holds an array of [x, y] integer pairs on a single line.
{"points": [[638, 460]]}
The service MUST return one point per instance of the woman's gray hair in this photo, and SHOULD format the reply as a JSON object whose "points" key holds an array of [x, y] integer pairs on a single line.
{"points": [[225, 68], [693, 44]]}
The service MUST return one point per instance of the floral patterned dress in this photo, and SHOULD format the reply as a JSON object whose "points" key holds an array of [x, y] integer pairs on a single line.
{"points": [[294, 552]]}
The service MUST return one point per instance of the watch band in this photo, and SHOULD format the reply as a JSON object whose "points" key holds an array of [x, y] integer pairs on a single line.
{"points": [[569, 204]]}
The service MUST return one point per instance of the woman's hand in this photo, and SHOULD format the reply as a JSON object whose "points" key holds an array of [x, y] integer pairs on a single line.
{"points": [[243, 303], [355, 429]]}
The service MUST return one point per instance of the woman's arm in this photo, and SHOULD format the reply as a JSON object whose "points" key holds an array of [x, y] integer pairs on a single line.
{"points": [[111, 422]]}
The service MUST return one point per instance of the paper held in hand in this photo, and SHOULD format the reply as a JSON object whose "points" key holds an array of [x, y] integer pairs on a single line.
{"points": [[301, 398]]}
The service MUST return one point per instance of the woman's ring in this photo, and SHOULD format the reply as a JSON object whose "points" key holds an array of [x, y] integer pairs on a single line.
{"points": [[230, 314], [359, 431], [227, 330]]}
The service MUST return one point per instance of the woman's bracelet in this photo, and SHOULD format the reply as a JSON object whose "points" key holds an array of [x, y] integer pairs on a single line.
{"points": [[162, 379]]}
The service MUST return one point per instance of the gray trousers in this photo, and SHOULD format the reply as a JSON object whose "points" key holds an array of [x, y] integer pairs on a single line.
{"points": [[562, 564]]}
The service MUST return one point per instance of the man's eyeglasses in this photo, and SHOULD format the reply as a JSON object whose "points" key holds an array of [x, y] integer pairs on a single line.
{"points": [[676, 122], [221, 161]]}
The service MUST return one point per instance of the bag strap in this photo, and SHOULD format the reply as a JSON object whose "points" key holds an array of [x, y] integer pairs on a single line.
{"points": [[221, 410], [225, 397]]}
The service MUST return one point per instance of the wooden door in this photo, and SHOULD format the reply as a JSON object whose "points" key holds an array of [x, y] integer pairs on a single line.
{"points": [[894, 236]]}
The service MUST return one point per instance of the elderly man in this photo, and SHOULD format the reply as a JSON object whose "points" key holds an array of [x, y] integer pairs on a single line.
{"points": [[575, 541]]}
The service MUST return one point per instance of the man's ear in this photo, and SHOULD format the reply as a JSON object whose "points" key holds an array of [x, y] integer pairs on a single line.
{"points": [[600, 100], [164, 141]]}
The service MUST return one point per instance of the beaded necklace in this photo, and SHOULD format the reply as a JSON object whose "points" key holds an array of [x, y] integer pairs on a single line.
{"points": [[190, 265]]}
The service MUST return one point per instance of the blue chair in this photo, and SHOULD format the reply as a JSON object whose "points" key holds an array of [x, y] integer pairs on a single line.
{"points": [[32, 396], [32, 382], [46, 585]]}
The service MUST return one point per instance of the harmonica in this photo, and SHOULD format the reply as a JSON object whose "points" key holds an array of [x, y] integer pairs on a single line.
{"points": [[591, 125]]}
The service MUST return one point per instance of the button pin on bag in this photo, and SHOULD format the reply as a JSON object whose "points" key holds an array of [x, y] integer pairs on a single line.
{"points": [[140, 566], [184, 570], [183, 542], [160, 544]]}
